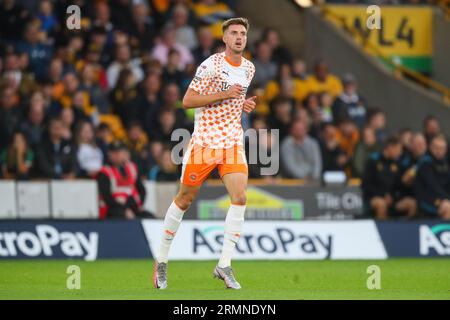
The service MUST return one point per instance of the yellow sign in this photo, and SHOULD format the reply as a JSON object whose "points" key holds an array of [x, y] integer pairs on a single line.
{"points": [[404, 31]]}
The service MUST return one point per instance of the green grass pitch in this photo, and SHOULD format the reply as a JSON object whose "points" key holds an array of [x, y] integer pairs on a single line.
{"points": [[131, 279]]}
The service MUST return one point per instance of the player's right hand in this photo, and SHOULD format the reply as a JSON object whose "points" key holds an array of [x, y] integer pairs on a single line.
{"points": [[233, 92]]}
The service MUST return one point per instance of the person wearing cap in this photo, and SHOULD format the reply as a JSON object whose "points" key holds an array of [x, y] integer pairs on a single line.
{"points": [[122, 193], [349, 104]]}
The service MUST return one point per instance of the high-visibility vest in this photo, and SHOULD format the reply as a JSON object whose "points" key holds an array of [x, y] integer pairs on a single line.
{"points": [[122, 187]]}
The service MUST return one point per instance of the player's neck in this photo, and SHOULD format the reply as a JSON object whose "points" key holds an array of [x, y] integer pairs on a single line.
{"points": [[235, 59]]}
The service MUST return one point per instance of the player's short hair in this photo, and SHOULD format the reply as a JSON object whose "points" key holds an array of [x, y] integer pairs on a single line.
{"points": [[242, 21]]}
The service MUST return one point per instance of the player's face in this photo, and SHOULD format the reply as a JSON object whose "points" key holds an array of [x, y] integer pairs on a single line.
{"points": [[235, 38]]}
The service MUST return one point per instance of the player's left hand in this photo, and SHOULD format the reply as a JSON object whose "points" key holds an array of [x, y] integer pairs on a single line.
{"points": [[250, 104]]}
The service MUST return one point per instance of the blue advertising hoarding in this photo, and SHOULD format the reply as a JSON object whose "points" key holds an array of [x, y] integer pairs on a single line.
{"points": [[88, 240]]}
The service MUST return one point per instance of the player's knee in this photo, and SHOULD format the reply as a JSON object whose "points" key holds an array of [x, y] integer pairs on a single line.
{"points": [[239, 198], [184, 200]]}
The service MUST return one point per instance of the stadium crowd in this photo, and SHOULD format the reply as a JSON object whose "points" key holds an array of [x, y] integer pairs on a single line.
{"points": [[65, 95]]}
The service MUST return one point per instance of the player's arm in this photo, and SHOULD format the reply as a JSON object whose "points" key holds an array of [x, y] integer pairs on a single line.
{"points": [[193, 99]]}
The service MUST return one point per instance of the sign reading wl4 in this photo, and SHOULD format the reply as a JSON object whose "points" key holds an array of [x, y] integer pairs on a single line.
{"points": [[402, 32], [435, 238]]}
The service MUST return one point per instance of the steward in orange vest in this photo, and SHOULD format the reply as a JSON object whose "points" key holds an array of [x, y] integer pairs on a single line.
{"points": [[122, 193]]}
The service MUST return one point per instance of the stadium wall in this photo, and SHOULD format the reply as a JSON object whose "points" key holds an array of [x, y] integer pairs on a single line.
{"points": [[441, 47], [201, 240], [407, 104]]}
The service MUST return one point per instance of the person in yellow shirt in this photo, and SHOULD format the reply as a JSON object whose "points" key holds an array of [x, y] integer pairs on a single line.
{"points": [[213, 13], [274, 87], [323, 81]]}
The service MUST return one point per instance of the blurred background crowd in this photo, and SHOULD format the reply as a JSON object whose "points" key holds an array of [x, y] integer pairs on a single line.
{"points": [[66, 94]]}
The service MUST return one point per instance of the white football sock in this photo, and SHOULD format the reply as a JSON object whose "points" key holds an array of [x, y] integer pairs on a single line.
{"points": [[233, 229], [172, 221]]}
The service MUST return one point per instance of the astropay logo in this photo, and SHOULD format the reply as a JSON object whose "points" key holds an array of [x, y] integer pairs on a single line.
{"points": [[47, 240], [435, 238], [269, 242]]}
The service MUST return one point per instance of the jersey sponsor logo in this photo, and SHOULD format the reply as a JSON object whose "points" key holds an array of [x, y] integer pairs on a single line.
{"points": [[224, 86]]}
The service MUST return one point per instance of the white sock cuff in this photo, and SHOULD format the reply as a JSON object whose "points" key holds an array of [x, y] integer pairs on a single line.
{"points": [[236, 212], [234, 219], [175, 211]]}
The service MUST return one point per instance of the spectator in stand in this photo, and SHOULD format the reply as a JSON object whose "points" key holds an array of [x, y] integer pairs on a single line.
{"points": [[122, 193], [431, 127], [281, 116], [347, 136], [274, 87], [165, 125], [409, 161], [432, 185], [376, 119], [102, 21], [148, 102], [323, 81], [267, 145], [299, 70], [265, 68], [89, 155], [9, 114], [311, 104], [172, 73], [49, 22], [13, 17], [123, 61], [185, 34], [90, 84], [325, 108], [55, 73], [56, 157], [142, 33], [280, 54], [333, 157], [405, 137], [103, 137], [161, 50], [70, 95], [123, 94], [212, 13], [349, 104], [171, 100], [367, 146], [121, 15], [381, 182], [137, 143], [165, 170], [17, 159], [33, 126], [300, 154], [205, 45], [38, 52], [68, 122], [15, 74]]}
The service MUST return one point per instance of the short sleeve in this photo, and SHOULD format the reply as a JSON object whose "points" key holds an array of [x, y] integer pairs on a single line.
{"points": [[203, 77]]}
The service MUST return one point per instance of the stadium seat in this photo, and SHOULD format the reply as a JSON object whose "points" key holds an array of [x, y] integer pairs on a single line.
{"points": [[33, 200], [74, 199], [8, 205]]}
